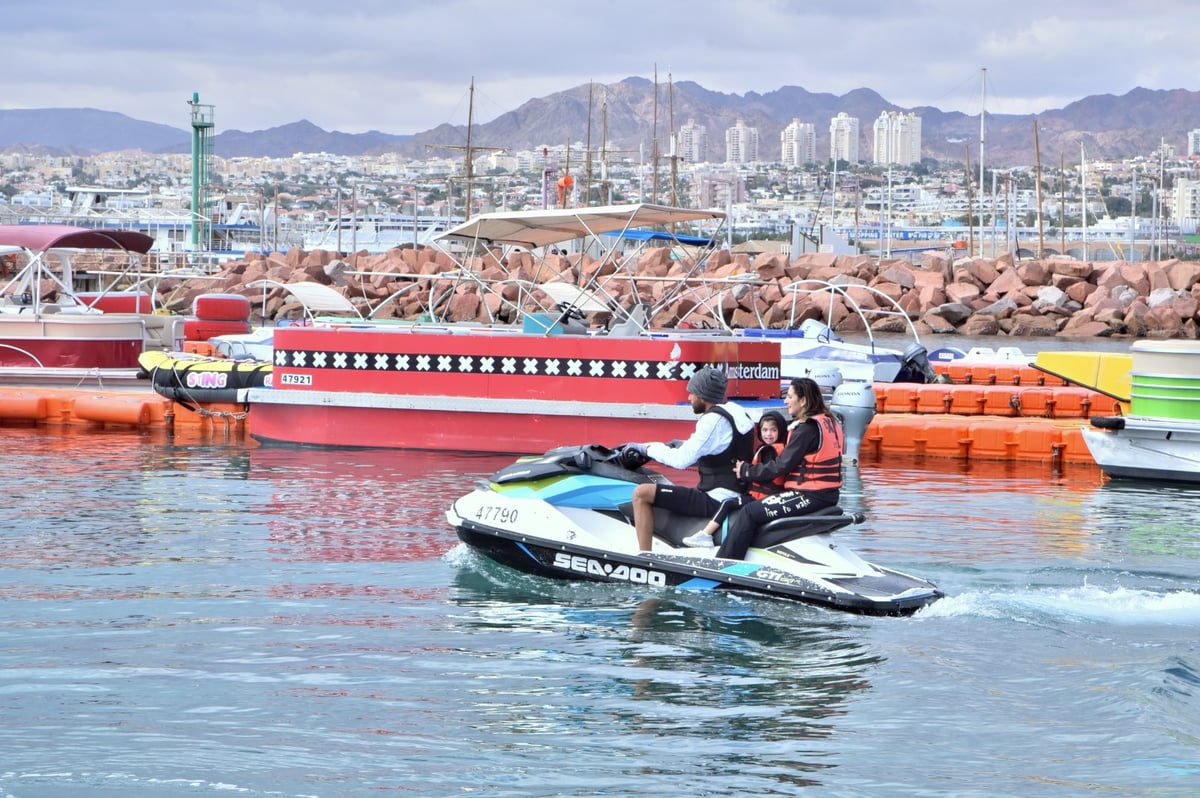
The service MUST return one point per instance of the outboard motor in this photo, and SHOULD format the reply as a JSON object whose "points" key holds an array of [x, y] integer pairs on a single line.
{"points": [[855, 403], [827, 378], [915, 367], [812, 328]]}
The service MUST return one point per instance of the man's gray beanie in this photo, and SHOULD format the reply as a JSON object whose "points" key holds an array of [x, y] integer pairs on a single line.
{"points": [[709, 384]]}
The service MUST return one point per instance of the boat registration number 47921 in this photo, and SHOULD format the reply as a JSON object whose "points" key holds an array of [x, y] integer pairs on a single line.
{"points": [[295, 379]]}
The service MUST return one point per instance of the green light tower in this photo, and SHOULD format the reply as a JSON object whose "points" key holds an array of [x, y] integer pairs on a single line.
{"points": [[202, 157]]}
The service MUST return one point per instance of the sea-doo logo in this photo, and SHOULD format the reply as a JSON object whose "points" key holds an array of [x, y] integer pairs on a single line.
{"points": [[607, 570], [753, 371]]}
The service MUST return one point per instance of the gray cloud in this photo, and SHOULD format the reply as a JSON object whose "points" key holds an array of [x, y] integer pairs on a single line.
{"points": [[403, 67]]}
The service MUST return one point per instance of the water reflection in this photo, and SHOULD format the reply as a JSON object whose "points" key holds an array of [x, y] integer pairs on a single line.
{"points": [[738, 683]]}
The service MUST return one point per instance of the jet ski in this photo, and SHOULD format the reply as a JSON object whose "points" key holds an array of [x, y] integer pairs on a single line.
{"points": [[568, 514]]}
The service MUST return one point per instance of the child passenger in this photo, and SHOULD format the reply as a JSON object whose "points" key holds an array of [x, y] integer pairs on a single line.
{"points": [[771, 432]]}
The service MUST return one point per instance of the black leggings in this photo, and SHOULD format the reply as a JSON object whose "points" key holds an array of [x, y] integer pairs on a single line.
{"points": [[744, 524]]}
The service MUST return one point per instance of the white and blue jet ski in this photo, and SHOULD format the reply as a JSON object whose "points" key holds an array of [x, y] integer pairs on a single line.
{"points": [[568, 514]]}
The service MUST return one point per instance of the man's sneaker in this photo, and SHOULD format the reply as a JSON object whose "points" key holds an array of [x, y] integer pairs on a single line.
{"points": [[700, 540]]}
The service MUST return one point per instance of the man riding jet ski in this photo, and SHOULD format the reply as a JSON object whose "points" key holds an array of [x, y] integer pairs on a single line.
{"points": [[568, 515]]}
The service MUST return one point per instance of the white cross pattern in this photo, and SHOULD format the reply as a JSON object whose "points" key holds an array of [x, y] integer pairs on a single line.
{"points": [[491, 364]]}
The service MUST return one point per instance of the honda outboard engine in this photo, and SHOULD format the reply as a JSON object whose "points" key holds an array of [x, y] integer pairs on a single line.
{"points": [[855, 403], [827, 378]]}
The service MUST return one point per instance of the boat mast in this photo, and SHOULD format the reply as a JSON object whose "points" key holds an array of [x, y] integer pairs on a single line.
{"points": [[971, 209], [1037, 153], [671, 128], [468, 166], [1083, 195], [1062, 200], [587, 167], [654, 144], [1158, 206], [982, 137], [468, 162]]}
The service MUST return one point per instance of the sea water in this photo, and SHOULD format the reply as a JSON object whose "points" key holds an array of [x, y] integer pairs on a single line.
{"points": [[208, 617]]}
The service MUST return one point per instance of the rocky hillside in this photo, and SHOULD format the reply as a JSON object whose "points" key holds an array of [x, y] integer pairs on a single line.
{"points": [[1108, 126]]}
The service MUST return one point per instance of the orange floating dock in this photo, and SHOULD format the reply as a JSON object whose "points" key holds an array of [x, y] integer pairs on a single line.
{"points": [[988, 412], [977, 438], [100, 409]]}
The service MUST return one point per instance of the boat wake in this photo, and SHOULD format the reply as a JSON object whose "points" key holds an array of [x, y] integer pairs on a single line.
{"points": [[1085, 605]]}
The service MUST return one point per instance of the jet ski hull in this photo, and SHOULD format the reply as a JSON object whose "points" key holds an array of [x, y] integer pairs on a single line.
{"points": [[897, 594]]}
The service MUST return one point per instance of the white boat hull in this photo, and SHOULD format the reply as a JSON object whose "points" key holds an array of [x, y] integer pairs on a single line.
{"points": [[1148, 448]]}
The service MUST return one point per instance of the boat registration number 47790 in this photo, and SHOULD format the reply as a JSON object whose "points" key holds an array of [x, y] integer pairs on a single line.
{"points": [[496, 513], [615, 571]]}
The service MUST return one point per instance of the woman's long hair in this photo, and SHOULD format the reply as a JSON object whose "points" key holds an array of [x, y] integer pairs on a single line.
{"points": [[808, 390]]}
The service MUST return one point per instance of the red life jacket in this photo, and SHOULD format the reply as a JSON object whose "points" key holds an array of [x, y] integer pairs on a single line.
{"points": [[761, 456], [820, 469]]}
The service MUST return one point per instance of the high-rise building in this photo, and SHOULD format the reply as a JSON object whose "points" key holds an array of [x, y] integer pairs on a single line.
{"points": [[692, 142], [897, 138], [741, 143], [843, 138], [798, 143], [1193, 142]]}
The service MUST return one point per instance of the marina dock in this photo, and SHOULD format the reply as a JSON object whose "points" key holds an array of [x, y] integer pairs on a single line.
{"points": [[994, 412]]}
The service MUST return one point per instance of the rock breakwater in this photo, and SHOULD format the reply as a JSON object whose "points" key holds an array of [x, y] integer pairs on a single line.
{"points": [[941, 295]]}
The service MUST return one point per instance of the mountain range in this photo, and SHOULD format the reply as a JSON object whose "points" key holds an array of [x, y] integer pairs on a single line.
{"points": [[622, 120]]}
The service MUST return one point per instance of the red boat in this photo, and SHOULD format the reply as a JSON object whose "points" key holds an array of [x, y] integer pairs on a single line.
{"points": [[509, 389], [106, 330]]}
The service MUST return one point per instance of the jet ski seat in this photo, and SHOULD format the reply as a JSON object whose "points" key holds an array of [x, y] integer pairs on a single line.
{"points": [[798, 526]]}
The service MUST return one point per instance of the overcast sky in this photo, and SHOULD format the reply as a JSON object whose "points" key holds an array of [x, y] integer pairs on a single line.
{"points": [[403, 67]]}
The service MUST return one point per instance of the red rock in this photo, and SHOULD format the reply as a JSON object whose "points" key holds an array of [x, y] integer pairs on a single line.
{"points": [[961, 292], [1032, 272], [1086, 329], [1182, 275], [980, 325]]}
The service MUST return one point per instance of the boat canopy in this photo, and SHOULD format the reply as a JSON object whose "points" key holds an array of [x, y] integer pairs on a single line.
{"points": [[535, 229], [41, 237], [315, 297]]}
